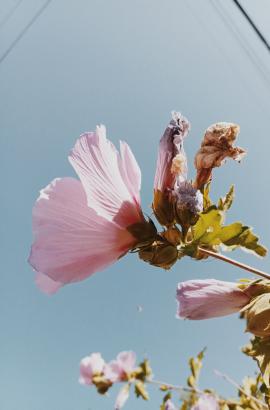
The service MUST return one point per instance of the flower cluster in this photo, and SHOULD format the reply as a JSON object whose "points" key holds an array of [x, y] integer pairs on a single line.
{"points": [[82, 226], [95, 371]]}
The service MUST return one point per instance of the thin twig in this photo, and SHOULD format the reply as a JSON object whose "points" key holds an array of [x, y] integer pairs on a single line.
{"points": [[235, 263], [174, 387], [235, 384]]}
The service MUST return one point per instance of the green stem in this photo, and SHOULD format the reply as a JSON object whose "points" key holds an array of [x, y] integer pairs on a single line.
{"points": [[235, 263]]}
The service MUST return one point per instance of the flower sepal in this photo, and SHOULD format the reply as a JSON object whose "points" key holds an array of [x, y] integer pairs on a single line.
{"points": [[164, 207], [145, 232], [160, 253], [102, 384]]}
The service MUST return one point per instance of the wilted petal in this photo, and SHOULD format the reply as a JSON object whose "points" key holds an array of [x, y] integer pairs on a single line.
{"points": [[71, 241], [90, 366], [206, 402], [204, 299], [122, 397], [217, 145], [172, 162], [111, 181]]}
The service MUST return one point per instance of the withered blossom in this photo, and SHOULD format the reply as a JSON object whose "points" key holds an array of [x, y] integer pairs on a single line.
{"points": [[217, 145], [171, 168]]}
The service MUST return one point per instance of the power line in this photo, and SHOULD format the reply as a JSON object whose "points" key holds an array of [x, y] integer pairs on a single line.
{"points": [[253, 25], [254, 58], [24, 30], [4, 21], [227, 56]]}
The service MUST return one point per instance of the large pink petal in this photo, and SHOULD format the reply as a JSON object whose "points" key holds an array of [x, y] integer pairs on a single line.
{"points": [[107, 178], [71, 241], [130, 171]]}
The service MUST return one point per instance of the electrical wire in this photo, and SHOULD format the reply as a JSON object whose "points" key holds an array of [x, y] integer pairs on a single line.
{"points": [[4, 21], [253, 57], [225, 55], [253, 25], [24, 31]]}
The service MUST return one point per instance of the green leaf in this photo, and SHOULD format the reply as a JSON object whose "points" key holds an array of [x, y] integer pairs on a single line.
{"points": [[206, 197], [225, 203], [230, 231], [140, 390], [195, 365], [246, 239], [259, 350], [208, 225]]}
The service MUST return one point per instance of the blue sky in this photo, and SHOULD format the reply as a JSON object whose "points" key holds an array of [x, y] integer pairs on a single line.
{"points": [[126, 64]]}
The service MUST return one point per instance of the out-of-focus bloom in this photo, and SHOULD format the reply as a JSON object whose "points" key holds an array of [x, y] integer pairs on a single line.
{"points": [[171, 167], [217, 145], [120, 369], [204, 299], [122, 397], [257, 314], [90, 367], [81, 227], [206, 402], [169, 405]]}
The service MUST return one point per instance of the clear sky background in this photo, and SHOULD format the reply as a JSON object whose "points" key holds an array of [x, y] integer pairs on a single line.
{"points": [[126, 64]]}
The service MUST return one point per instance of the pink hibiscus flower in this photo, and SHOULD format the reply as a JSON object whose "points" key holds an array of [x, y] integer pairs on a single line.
{"points": [[81, 227]]}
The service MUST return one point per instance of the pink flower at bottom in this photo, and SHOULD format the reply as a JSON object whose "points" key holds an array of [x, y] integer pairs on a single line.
{"points": [[122, 397], [118, 370], [169, 405], [206, 402], [204, 299], [80, 227], [91, 366]]}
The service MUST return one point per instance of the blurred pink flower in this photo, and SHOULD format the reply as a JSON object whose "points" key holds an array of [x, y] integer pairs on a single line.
{"points": [[169, 405], [172, 161], [118, 370], [206, 402], [80, 226], [122, 397], [204, 299], [91, 366]]}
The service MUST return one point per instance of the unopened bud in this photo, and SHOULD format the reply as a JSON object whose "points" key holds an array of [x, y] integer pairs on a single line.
{"points": [[171, 167], [160, 254]]}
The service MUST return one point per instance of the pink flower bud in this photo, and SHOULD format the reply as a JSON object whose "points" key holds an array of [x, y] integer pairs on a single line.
{"points": [[169, 405], [205, 299]]}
